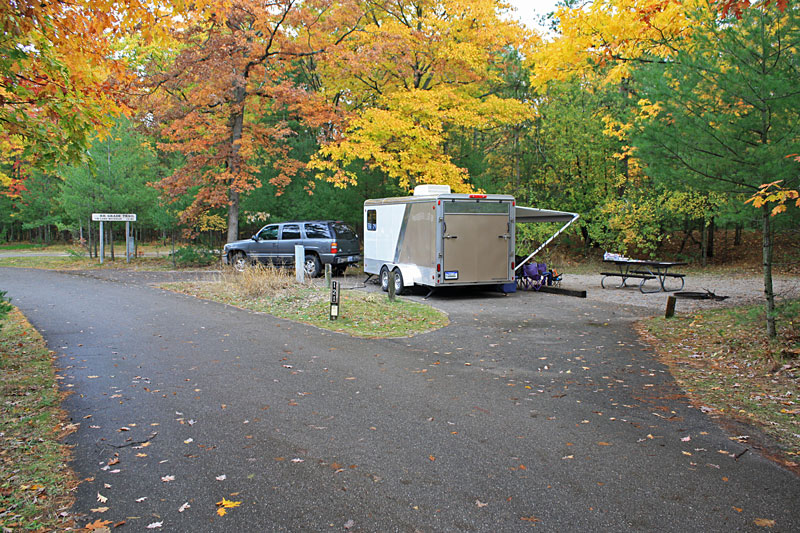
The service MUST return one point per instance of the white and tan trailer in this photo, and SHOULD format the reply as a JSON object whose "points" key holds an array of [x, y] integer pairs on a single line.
{"points": [[436, 238]]}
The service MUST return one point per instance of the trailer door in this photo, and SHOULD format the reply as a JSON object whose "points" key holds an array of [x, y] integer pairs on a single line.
{"points": [[476, 242]]}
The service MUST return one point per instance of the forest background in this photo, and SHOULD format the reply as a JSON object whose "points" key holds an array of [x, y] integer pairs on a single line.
{"points": [[652, 119]]}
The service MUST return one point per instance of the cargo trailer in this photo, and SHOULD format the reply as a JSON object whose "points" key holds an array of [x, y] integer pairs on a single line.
{"points": [[436, 238]]}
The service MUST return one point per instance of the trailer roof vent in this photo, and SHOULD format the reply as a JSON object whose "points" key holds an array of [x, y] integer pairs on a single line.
{"points": [[431, 190]]}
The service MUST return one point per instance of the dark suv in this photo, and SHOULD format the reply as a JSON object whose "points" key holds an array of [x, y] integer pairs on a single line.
{"points": [[325, 242]]}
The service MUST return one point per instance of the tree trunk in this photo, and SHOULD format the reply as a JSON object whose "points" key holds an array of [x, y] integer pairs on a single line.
{"points": [[710, 245], [586, 240], [233, 215], [704, 245], [234, 161], [769, 294], [737, 235]]}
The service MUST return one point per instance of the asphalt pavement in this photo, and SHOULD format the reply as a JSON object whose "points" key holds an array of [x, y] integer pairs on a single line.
{"points": [[530, 410]]}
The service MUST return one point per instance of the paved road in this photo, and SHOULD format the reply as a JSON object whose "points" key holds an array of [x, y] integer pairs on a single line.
{"points": [[531, 410]]}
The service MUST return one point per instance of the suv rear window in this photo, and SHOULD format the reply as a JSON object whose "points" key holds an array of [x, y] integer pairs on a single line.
{"points": [[344, 232], [290, 231], [317, 230]]}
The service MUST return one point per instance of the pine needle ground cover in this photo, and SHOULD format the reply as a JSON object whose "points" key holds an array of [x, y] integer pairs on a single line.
{"points": [[728, 366]]}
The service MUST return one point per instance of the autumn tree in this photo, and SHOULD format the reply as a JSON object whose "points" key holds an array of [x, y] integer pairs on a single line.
{"points": [[225, 100], [418, 72], [60, 77]]}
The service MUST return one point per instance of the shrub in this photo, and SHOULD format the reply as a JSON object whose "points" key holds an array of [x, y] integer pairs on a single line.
{"points": [[195, 256]]}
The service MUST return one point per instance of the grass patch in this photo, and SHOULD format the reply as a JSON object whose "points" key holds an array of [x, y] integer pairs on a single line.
{"points": [[274, 291], [85, 263], [34, 478], [725, 361], [21, 246]]}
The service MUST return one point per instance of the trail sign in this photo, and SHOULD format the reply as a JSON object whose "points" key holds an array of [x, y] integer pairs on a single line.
{"points": [[127, 218], [114, 217]]}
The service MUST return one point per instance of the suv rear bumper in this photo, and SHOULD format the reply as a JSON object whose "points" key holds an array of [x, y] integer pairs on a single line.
{"points": [[325, 258], [345, 259]]}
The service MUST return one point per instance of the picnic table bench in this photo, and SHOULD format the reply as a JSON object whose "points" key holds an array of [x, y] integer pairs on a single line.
{"points": [[644, 271]]}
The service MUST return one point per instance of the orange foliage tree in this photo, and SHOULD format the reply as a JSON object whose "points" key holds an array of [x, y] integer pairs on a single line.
{"points": [[59, 76], [226, 98]]}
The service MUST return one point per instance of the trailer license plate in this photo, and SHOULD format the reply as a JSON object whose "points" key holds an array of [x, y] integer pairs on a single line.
{"points": [[451, 274]]}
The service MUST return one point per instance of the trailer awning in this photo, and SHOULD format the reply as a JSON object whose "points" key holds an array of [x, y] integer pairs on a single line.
{"points": [[531, 214]]}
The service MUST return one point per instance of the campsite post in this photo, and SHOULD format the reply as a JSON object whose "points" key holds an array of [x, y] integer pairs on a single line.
{"points": [[334, 314]]}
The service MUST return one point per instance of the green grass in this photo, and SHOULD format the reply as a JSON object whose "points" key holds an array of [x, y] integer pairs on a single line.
{"points": [[34, 477], [85, 263], [274, 292], [21, 246], [725, 361]]}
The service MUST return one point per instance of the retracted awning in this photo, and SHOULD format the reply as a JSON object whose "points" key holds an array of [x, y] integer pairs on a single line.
{"points": [[532, 214]]}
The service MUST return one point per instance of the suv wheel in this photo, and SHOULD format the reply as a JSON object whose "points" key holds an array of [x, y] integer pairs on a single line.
{"points": [[384, 279], [312, 266], [239, 261]]}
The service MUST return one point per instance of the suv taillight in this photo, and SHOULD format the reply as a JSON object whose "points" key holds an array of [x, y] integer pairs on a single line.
{"points": [[334, 247]]}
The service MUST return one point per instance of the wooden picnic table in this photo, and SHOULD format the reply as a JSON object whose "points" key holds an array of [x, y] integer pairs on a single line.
{"points": [[644, 270]]}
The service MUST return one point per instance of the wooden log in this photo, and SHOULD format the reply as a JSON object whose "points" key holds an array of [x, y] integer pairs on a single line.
{"points": [[565, 292]]}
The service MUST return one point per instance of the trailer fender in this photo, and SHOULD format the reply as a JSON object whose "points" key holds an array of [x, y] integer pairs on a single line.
{"points": [[411, 274]]}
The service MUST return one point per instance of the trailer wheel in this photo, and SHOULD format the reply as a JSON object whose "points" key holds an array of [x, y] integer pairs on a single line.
{"points": [[397, 278], [384, 279]]}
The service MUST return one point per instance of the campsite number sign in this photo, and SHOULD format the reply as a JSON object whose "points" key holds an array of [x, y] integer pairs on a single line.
{"points": [[334, 300]]}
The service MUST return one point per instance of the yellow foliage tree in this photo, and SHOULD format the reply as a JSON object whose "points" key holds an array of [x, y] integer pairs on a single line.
{"points": [[415, 72]]}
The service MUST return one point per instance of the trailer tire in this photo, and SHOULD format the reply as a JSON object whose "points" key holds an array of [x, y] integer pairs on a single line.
{"points": [[397, 279], [385, 278]]}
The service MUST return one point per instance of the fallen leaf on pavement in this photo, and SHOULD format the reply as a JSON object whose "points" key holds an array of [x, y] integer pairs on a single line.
{"points": [[183, 507], [100, 510], [764, 522], [101, 498], [97, 524], [480, 503], [155, 525], [167, 478], [221, 478]]}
